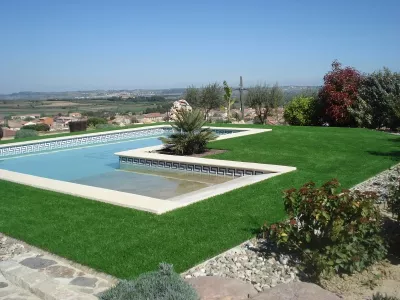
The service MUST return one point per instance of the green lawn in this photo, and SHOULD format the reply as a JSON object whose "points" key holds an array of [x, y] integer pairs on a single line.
{"points": [[125, 242]]}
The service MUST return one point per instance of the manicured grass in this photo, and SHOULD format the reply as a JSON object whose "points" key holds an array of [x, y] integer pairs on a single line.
{"points": [[125, 242], [42, 137]]}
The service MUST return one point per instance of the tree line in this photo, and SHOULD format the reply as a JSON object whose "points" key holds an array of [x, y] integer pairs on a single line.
{"points": [[261, 97], [350, 98]]}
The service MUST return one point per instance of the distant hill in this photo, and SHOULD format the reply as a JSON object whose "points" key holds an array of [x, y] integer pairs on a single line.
{"points": [[103, 94], [27, 95]]}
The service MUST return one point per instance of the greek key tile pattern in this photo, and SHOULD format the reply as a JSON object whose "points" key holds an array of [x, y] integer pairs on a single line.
{"points": [[187, 167], [6, 151], [44, 146]]}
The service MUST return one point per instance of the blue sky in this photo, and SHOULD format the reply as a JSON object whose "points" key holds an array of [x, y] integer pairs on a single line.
{"points": [[60, 45]]}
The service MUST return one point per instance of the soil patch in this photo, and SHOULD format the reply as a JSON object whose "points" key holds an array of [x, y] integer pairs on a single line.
{"points": [[383, 277], [206, 153]]}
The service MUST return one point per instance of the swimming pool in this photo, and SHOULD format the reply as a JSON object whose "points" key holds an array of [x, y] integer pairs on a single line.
{"points": [[97, 166], [123, 168]]}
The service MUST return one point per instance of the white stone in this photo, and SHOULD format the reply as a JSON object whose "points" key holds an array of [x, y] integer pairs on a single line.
{"points": [[180, 105]]}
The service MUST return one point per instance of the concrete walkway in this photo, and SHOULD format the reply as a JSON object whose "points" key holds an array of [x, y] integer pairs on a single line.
{"points": [[8, 291], [28, 273], [48, 278]]}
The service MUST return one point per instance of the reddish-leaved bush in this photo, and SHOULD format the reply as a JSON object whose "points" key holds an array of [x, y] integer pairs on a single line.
{"points": [[338, 94]]}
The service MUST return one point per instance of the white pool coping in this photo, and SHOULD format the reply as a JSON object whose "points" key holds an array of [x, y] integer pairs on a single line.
{"points": [[150, 204]]}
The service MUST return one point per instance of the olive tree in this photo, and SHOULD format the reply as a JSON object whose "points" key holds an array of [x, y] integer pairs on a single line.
{"points": [[192, 96], [210, 97], [261, 99], [277, 98], [206, 98]]}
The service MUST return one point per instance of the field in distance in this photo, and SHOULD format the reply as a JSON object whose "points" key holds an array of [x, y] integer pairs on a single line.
{"points": [[53, 107]]}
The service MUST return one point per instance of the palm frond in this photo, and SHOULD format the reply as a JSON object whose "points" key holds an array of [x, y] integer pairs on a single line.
{"points": [[189, 136]]}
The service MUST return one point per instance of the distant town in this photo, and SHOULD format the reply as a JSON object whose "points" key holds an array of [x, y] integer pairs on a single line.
{"points": [[51, 112], [124, 94]]}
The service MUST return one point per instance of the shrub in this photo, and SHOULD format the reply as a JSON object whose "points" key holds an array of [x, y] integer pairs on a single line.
{"points": [[29, 127], [394, 199], [77, 126], [331, 231], [301, 111], [379, 296], [38, 127], [236, 116], [105, 126], [163, 284], [189, 135], [339, 93], [222, 121], [24, 133], [95, 121], [42, 127], [257, 120], [378, 100], [1, 133]]}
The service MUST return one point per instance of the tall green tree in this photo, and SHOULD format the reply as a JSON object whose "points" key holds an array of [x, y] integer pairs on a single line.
{"points": [[210, 98], [277, 98], [260, 98], [192, 96], [377, 100]]}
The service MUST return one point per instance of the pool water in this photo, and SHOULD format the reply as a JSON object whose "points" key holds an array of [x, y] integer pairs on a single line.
{"points": [[97, 166]]}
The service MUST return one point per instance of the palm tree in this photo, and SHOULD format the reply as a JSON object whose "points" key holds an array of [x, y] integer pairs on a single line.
{"points": [[189, 135]]}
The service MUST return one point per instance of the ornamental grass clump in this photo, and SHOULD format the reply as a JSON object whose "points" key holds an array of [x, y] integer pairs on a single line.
{"points": [[189, 135], [163, 284], [332, 231]]}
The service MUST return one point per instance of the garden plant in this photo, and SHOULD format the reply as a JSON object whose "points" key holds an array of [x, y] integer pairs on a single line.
{"points": [[163, 284], [25, 133], [77, 126], [331, 230], [189, 136]]}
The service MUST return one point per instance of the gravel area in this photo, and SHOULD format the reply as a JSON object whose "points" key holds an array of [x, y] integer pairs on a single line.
{"points": [[258, 263], [10, 247], [380, 183], [252, 262]]}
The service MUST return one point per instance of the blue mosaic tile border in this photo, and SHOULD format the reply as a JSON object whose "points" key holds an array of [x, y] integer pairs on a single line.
{"points": [[187, 167], [79, 141], [44, 146]]}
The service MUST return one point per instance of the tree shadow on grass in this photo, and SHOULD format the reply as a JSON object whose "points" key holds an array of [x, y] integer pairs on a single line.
{"points": [[254, 227], [393, 155], [396, 140]]}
